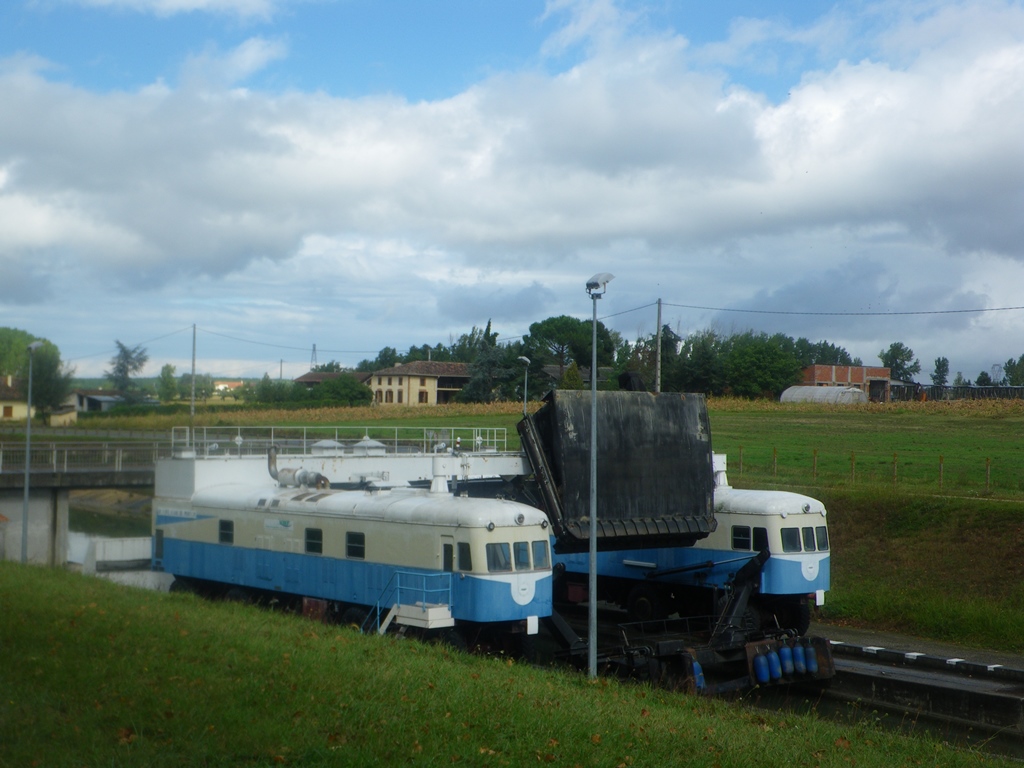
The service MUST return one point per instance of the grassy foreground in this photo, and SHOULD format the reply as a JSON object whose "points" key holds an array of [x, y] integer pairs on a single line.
{"points": [[97, 674]]}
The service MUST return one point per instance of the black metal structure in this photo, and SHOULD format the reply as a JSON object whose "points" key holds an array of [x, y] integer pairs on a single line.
{"points": [[655, 473]]}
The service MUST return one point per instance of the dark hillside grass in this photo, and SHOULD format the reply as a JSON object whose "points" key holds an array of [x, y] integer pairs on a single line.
{"points": [[936, 567], [97, 674]]}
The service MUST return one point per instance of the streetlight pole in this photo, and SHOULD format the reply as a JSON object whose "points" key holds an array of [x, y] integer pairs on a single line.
{"points": [[596, 287], [28, 454], [526, 379]]}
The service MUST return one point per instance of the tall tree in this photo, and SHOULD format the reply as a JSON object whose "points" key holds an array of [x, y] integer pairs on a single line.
{"points": [[759, 365], [470, 345], [52, 381], [1014, 371], [126, 363], [820, 353], [900, 361], [941, 373], [166, 384], [14, 350], [564, 339], [386, 358], [700, 366], [492, 376]]}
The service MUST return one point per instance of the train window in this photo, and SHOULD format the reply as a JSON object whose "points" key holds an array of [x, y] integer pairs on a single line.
{"points": [[808, 539], [822, 533], [540, 555], [741, 537], [314, 541], [498, 557], [761, 539], [226, 533], [465, 557], [790, 539], [521, 550], [355, 545]]}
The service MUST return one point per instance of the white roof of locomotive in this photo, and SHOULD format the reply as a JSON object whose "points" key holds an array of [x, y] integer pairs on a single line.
{"points": [[405, 505]]}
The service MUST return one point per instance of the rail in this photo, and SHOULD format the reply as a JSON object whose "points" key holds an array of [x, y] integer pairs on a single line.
{"points": [[140, 455], [339, 440], [83, 457]]}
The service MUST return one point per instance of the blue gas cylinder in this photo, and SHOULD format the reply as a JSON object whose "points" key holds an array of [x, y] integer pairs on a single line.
{"points": [[698, 676], [812, 660], [761, 669], [786, 659], [799, 659], [774, 665]]}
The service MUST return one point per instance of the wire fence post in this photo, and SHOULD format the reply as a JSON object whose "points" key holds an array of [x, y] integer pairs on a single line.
{"points": [[988, 475], [741, 460], [775, 461], [894, 464], [853, 468], [814, 466], [941, 464]]}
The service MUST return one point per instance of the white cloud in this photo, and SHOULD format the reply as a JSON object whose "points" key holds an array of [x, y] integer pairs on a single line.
{"points": [[880, 181], [249, 9]]}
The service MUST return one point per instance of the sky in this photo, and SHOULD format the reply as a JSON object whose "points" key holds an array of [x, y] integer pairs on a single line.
{"points": [[270, 176]]}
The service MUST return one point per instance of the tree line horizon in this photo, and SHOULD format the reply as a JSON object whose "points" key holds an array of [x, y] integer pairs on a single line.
{"points": [[749, 364]]}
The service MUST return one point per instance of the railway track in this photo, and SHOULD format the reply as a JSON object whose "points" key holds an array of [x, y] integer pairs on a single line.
{"points": [[976, 704]]}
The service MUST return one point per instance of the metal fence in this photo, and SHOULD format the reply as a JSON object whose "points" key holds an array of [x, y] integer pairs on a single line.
{"points": [[248, 441], [83, 457], [135, 455]]}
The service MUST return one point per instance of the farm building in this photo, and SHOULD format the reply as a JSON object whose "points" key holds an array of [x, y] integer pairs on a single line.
{"points": [[834, 395], [873, 381]]}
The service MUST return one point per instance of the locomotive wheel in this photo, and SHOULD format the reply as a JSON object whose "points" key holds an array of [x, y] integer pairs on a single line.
{"points": [[354, 617], [646, 603], [452, 638]]}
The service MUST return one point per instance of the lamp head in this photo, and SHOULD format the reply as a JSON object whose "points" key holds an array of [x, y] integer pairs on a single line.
{"points": [[523, 359], [597, 285], [34, 346]]}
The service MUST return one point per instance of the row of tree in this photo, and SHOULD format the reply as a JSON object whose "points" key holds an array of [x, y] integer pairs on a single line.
{"points": [[559, 349]]}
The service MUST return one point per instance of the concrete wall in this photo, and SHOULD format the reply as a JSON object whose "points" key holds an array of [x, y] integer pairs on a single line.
{"points": [[47, 525]]}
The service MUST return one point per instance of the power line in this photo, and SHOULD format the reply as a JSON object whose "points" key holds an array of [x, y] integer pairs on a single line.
{"points": [[846, 314]]}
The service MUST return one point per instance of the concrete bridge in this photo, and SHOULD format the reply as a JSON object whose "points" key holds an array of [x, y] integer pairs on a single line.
{"points": [[55, 470]]}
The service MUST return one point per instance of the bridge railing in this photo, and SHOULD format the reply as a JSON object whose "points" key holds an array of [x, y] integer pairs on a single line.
{"points": [[247, 441], [83, 457], [135, 455]]}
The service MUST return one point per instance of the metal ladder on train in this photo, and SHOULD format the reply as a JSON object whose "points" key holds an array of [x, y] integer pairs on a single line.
{"points": [[421, 600]]}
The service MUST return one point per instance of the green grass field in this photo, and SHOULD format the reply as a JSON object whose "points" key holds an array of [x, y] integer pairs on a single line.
{"points": [[96, 674], [974, 448]]}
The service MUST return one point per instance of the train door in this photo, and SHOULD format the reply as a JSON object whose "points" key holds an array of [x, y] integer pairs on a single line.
{"points": [[448, 554]]}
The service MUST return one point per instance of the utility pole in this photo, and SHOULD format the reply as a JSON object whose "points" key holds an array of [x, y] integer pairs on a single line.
{"points": [[192, 401], [657, 355]]}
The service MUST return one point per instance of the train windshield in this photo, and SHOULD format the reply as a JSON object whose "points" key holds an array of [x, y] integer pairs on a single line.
{"points": [[498, 558], [808, 539], [520, 555]]}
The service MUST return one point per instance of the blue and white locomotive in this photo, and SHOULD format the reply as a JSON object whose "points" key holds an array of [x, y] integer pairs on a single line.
{"points": [[423, 558], [656, 582]]}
